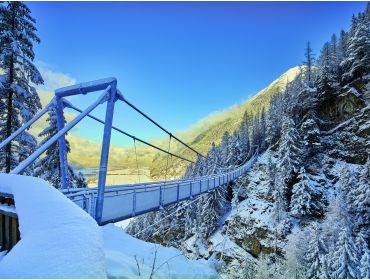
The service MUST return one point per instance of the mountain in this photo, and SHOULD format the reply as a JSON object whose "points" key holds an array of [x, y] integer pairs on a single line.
{"points": [[211, 129], [302, 210], [200, 136]]}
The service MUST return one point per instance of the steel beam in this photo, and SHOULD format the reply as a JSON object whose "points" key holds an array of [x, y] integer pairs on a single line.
{"points": [[24, 164], [105, 151], [27, 124]]}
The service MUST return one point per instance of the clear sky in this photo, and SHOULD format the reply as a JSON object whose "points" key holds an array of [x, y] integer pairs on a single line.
{"points": [[180, 61]]}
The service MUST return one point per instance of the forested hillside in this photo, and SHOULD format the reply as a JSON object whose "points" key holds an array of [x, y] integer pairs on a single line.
{"points": [[210, 130], [302, 211]]}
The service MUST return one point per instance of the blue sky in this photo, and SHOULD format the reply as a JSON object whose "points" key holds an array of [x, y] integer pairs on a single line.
{"points": [[180, 61]]}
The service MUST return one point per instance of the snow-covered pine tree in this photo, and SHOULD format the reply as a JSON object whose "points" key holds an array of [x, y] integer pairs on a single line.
{"points": [[189, 220], [228, 148], [365, 265], [326, 78], [19, 98], [316, 253], [256, 134], [80, 180], [244, 139], [349, 185], [199, 167], [295, 265], [189, 171], [305, 196], [263, 131], [235, 156], [310, 131], [210, 209], [344, 263], [290, 153], [214, 162], [359, 197], [357, 63], [334, 52], [309, 63], [48, 167], [274, 123], [342, 47]]}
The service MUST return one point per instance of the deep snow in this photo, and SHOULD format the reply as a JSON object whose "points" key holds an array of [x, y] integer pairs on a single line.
{"points": [[60, 240], [128, 257]]}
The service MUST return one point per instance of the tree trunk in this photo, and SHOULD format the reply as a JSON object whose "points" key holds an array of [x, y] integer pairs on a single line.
{"points": [[8, 148]]}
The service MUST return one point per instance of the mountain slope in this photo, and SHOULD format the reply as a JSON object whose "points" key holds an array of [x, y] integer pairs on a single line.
{"points": [[200, 136], [212, 128]]}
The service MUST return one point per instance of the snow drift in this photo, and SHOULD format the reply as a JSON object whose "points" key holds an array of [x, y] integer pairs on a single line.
{"points": [[129, 257], [58, 239]]}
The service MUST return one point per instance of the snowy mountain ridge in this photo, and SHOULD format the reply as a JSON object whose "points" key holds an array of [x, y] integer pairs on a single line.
{"points": [[302, 211]]}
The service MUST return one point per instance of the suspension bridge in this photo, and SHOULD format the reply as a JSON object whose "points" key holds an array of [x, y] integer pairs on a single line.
{"points": [[109, 204]]}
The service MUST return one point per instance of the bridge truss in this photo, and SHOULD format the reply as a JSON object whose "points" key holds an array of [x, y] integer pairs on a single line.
{"points": [[117, 203]]}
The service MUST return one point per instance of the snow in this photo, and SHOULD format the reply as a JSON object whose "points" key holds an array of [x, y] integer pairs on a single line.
{"points": [[128, 257], [58, 239], [7, 208], [2, 254]]}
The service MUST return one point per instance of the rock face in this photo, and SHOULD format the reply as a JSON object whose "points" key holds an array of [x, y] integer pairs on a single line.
{"points": [[345, 143], [348, 132]]}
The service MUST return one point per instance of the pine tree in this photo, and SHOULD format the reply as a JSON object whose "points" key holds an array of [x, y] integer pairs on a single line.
{"points": [[80, 180], [342, 47], [263, 131], [274, 123], [335, 55], [295, 265], [345, 263], [357, 63], [19, 98], [289, 152], [326, 79], [48, 167], [311, 135], [360, 197], [199, 167], [214, 160], [305, 197], [244, 139], [316, 253], [365, 265], [309, 63], [349, 186], [209, 211]]}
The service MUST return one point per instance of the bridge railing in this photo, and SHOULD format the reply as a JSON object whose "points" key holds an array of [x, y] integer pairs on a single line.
{"points": [[126, 201], [109, 95], [137, 198]]}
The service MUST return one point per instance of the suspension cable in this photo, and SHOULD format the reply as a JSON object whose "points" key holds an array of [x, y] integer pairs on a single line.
{"points": [[158, 125], [169, 215], [137, 162], [169, 148], [177, 210], [129, 135]]}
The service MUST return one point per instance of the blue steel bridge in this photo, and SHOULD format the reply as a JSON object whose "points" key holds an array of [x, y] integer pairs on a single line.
{"points": [[116, 203]]}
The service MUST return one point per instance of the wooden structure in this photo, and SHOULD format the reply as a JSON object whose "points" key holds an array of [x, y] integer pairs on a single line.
{"points": [[9, 225]]}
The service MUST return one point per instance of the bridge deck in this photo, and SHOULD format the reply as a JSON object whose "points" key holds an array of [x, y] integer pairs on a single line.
{"points": [[126, 201]]}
